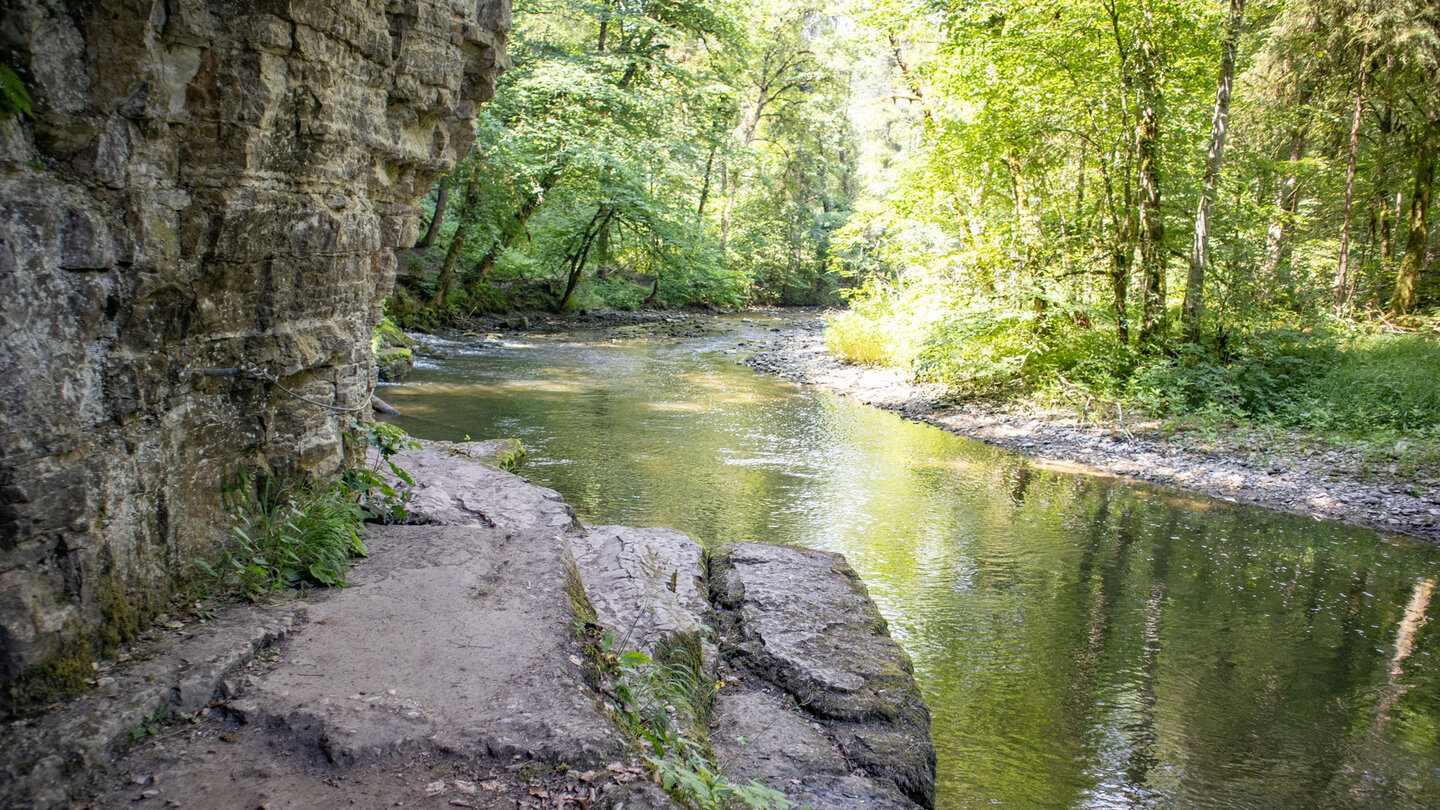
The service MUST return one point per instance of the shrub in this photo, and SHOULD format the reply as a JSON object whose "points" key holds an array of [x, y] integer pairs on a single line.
{"points": [[1260, 375], [858, 338], [308, 534], [289, 537]]}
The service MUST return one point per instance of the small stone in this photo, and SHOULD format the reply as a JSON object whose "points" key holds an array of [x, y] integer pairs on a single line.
{"points": [[435, 788]]}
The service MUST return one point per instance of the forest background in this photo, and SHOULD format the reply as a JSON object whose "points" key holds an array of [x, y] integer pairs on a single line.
{"points": [[1216, 212]]}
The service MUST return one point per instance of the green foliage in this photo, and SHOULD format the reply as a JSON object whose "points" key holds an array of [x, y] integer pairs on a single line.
{"points": [[62, 674], [705, 145], [1375, 383], [1286, 370], [610, 293], [308, 534], [859, 337], [664, 704], [1313, 379], [14, 96], [374, 491], [288, 537]]}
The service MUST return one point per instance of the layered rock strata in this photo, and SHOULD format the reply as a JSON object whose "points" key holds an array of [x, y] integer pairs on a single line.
{"points": [[824, 701], [203, 185]]}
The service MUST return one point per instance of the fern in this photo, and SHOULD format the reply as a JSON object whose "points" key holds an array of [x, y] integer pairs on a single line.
{"points": [[14, 97]]}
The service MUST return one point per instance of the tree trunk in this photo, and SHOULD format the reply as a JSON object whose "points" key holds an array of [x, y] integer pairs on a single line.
{"points": [[1214, 158], [1122, 251], [514, 227], [447, 270], [604, 26], [1152, 219], [1342, 288], [731, 180], [912, 81], [1404, 300], [457, 242], [593, 230], [442, 197], [705, 188], [1278, 240], [1389, 215]]}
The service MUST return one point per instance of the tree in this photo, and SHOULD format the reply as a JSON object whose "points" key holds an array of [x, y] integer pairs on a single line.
{"points": [[1214, 157]]}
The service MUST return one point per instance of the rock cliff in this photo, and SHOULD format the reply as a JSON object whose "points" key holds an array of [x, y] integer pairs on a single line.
{"points": [[203, 185]]}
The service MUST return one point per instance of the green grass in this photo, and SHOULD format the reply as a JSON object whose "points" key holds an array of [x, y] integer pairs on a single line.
{"points": [[859, 339], [1378, 383]]}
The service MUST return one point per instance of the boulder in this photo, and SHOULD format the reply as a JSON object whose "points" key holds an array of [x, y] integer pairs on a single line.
{"points": [[645, 584], [802, 631]]}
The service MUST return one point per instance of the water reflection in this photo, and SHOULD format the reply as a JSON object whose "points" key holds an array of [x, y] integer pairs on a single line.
{"points": [[1082, 642]]}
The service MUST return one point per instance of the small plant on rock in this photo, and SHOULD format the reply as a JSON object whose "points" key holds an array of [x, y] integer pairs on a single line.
{"points": [[376, 493], [663, 704], [304, 535]]}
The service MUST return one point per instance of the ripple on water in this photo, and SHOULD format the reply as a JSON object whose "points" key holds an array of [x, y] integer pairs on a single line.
{"points": [[1082, 642]]}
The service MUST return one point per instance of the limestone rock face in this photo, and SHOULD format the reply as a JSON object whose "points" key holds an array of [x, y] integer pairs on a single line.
{"points": [[204, 185], [647, 584]]}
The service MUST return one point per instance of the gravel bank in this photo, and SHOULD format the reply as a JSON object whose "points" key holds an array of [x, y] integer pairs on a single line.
{"points": [[1277, 470]]}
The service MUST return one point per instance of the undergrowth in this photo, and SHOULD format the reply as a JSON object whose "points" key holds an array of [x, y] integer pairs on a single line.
{"points": [[663, 703], [308, 533], [1309, 374]]}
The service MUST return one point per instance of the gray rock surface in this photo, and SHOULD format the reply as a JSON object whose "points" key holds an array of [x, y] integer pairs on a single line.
{"points": [[454, 637], [453, 653], [204, 184], [45, 761], [647, 584], [452, 490], [452, 656], [802, 621], [450, 674]]}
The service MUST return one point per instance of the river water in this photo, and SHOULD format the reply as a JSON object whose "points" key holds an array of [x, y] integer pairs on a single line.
{"points": [[1082, 642]]}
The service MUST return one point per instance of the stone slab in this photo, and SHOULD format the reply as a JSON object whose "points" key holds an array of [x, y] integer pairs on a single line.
{"points": [[451, 489], [454, 646], [46, 760], [802, 620], [646, 584]]}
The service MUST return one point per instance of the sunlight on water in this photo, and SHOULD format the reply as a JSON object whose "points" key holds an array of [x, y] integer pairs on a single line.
{"points": [[1082, 642]]}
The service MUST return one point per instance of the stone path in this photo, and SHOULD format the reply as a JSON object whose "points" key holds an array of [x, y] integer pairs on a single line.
{"points": [[453, 657], [451, 675]]}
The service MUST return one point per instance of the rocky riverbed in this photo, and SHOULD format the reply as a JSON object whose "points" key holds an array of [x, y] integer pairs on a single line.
{"points": [[452, 674], [1276, 470]]}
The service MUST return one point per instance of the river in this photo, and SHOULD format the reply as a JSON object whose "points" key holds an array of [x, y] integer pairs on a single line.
{"points": [[1082, 642]]}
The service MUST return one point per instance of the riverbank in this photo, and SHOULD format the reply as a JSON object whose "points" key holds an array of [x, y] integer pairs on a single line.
{"points": [[497, 654], [1276, 469]]}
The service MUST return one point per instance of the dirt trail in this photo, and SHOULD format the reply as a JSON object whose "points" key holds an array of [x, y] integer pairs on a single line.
{"points": [[451, 675], [1281, 474]]}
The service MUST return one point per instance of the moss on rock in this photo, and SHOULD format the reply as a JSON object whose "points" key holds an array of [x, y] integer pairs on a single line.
{"points": [[64, 673], [394, 355]]}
